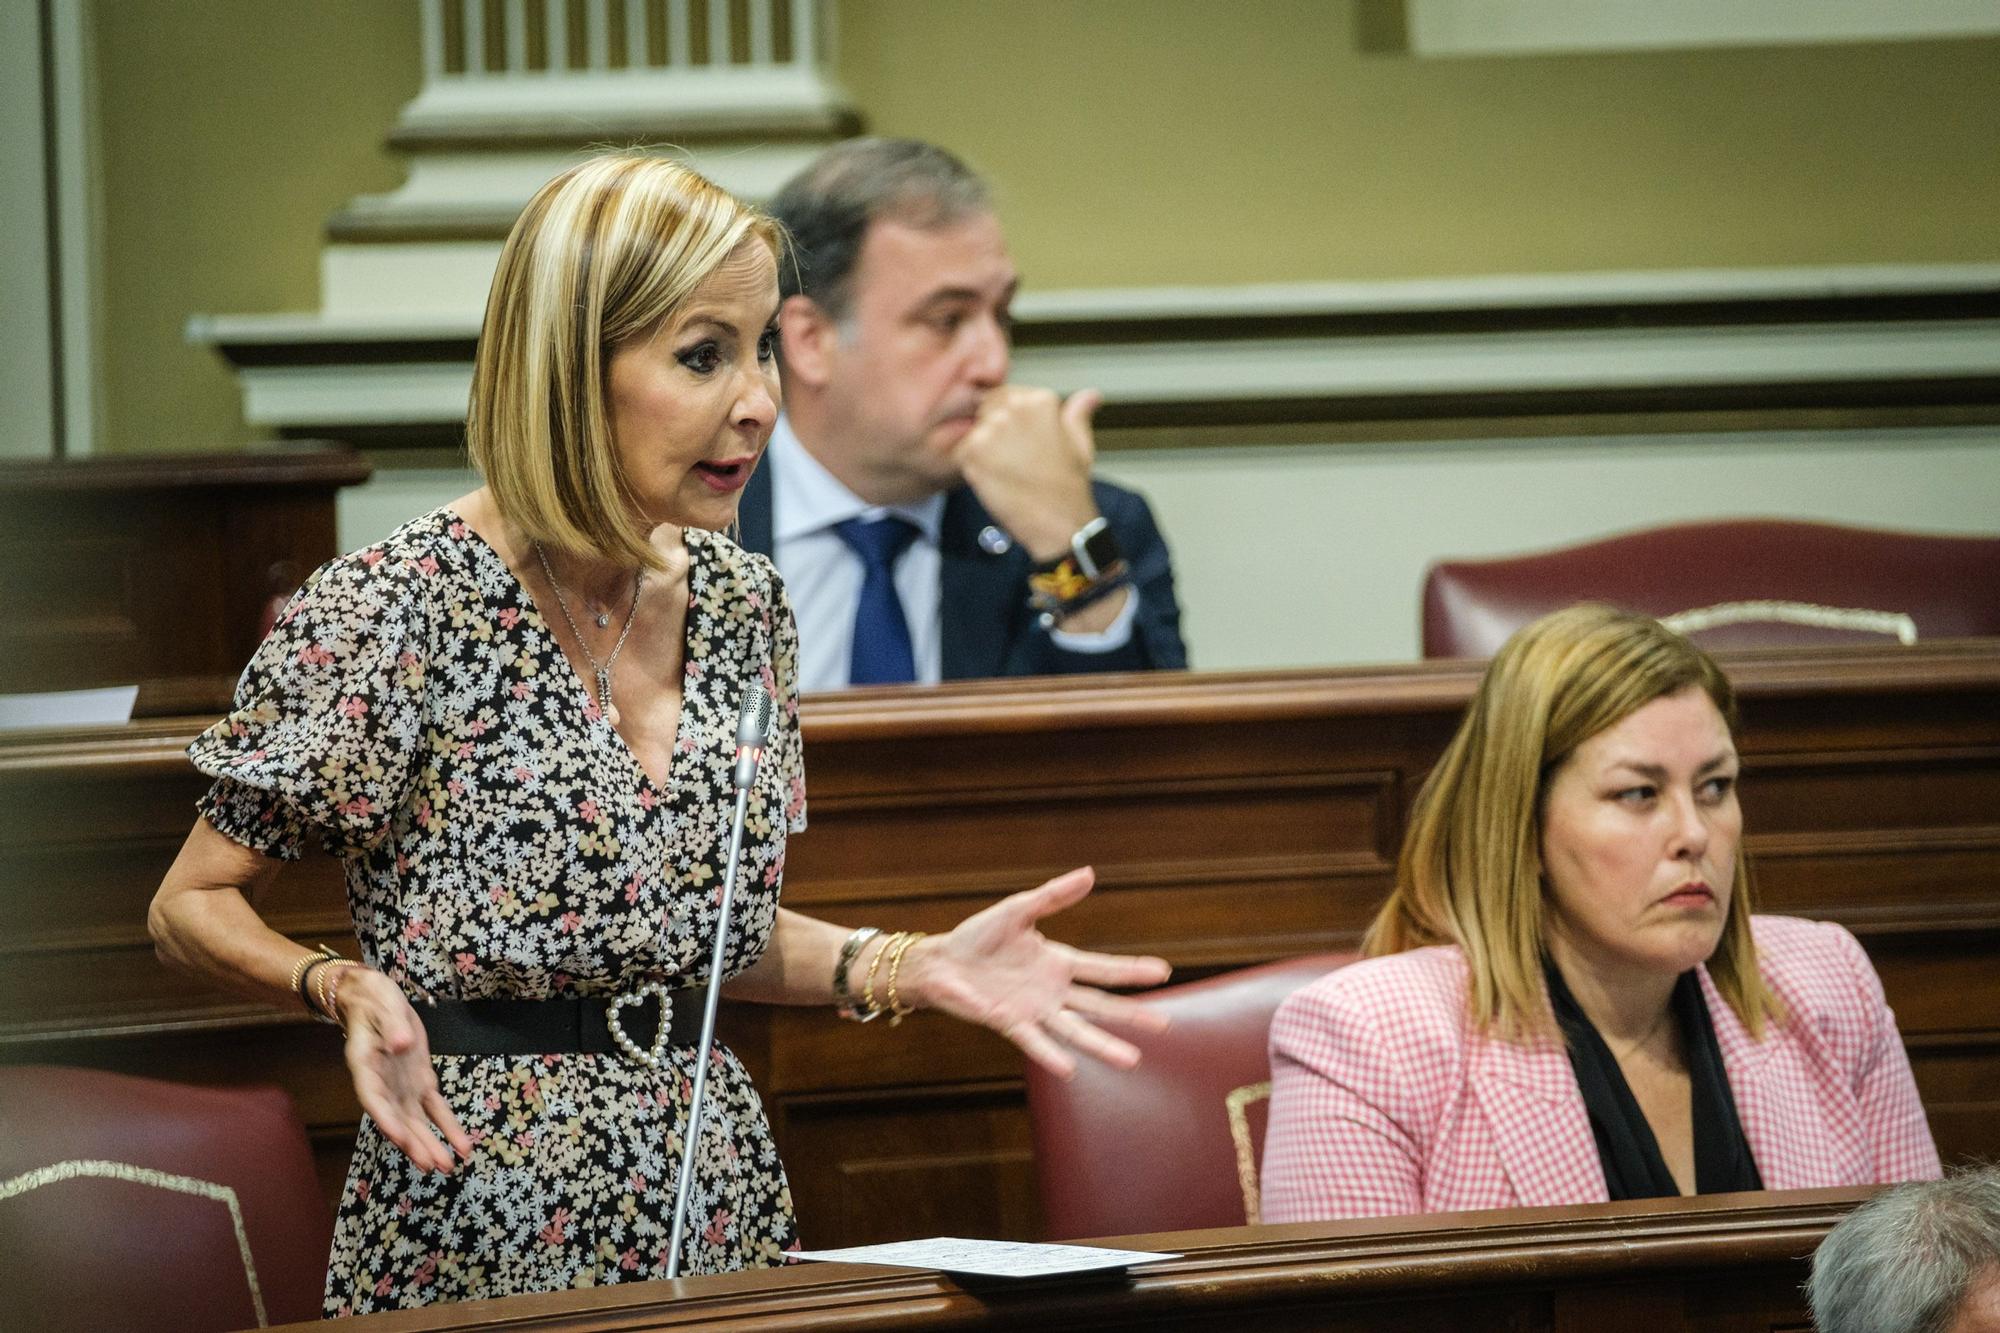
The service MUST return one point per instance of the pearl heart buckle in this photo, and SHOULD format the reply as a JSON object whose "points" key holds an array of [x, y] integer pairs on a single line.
{"points": [[651, 1058]]}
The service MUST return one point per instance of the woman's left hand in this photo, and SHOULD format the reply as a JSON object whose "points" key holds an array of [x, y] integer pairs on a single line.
{"points": [[997, 970]]}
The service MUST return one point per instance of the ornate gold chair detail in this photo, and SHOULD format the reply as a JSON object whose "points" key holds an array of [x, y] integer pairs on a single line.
{"points": [[132, 1203], [1172, 1145]]}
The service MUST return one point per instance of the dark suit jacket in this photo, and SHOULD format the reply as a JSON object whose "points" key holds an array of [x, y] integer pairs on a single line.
{"points": [[988, 629]]}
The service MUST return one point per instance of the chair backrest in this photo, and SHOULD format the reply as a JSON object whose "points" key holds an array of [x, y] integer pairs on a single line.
{"points": [[132, 1203], [1151, 1149], [1942, 587]]}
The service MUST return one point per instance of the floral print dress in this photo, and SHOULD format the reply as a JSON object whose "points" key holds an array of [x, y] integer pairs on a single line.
{"points": [[413, 713]]}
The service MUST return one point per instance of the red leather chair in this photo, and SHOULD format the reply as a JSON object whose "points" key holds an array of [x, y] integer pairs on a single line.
{"points": [[131, 1203], [1939, 587], [1172, 1145]]}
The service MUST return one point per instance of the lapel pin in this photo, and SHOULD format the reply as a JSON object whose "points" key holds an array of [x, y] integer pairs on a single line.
{"points": [[993, 541]]}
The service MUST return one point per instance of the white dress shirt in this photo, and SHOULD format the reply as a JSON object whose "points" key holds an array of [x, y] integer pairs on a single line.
{"points": [[823, 574]]}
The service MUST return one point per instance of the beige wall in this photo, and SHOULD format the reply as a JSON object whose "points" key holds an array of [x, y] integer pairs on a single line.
{"points": [[1133, 141], [1171, 141], [1314, 553], [230, 130], [27, 368], [1334, 540]]}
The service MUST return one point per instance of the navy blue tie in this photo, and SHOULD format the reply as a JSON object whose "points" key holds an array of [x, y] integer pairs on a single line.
{"points": [[882, 651]]}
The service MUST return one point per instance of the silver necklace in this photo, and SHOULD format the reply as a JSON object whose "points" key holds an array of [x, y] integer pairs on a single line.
{"points": [[603, 670]]}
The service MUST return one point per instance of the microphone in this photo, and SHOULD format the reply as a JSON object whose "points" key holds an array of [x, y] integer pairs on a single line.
{"points": [[753, 733]]}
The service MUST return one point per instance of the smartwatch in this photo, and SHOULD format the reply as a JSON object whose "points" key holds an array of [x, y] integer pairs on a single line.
{"points": [[1095, 549]]}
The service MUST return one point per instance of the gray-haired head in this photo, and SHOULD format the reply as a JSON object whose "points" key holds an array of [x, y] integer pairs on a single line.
{"points": [[828, 207], [1904, 1261]]}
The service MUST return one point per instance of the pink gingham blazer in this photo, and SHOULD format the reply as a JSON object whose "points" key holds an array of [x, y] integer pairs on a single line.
{"points": [[1385, 1103]]}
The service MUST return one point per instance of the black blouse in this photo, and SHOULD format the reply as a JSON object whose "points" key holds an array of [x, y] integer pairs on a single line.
{"points": [[1633, 1167]]}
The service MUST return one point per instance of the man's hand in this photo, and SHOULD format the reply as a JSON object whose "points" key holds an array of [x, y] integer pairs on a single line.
{"points": [[1028, 460]]}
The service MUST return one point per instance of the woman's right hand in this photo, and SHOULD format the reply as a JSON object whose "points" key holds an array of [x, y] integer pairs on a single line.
{"points": [[203, 921], [389, 1058]]}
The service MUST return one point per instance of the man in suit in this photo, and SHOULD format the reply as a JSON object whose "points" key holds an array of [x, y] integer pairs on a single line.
{"points": [[931, 520]]}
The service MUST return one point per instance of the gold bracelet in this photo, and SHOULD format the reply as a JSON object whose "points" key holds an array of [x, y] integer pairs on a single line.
{"points": [[317, 984], [868, 986], [329, 991], [319, 992], [299, 970], [304, 966], [897, 1009]]}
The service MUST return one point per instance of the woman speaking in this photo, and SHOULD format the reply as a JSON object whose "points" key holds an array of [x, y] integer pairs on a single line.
{"points": [[1570, 1000], [515, 721]]}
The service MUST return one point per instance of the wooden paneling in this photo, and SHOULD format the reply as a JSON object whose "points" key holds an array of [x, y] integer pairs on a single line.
{"points": [[919, 1163], [1231, 819], [1722, 1264], [115, 571]]}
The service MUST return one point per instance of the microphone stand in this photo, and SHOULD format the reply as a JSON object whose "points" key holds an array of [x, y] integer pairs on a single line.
{"points": [[753, 729]]}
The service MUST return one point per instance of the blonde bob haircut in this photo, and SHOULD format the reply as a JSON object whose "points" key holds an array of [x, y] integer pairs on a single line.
{"points": [[1470, 870], [600, 257]]}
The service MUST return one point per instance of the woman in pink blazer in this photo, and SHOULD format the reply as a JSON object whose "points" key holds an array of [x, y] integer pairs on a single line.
{"points": [[1568, 999]]}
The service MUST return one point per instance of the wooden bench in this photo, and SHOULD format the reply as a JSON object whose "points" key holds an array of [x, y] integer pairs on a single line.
{"points": [[1232, 819]]}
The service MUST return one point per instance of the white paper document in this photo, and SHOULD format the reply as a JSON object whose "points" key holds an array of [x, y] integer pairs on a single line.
{"points": [[68, 708], [988, 1258]]}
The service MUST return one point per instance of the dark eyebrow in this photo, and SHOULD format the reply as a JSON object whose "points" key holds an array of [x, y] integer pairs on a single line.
{"points": [[1650, 771], [957, 295], [716, 321], [1655, 773], [950, 296], [700, 318]]}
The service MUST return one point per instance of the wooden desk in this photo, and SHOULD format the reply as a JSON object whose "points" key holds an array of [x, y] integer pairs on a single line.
{"points": [[1232, 819], [158, 570], [1722, 1263]]}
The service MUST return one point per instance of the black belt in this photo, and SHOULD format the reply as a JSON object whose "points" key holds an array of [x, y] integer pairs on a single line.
{"points": [[558, 1026]]}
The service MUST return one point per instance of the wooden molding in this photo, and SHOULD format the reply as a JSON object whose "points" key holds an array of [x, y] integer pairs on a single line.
{"points": [[303, 464], [1567, 352], [1488, 1268]]}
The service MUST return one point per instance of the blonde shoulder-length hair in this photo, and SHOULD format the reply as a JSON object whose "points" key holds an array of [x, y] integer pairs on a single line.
{"points": [[601, 255], [1470, 870]]}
